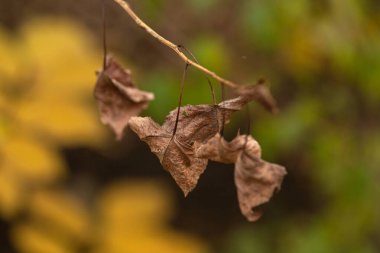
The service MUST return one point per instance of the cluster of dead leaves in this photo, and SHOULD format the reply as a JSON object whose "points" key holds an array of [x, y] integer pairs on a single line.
{"points": [[184, 153]]}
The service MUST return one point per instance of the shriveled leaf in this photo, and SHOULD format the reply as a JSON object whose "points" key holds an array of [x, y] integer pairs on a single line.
{"points": [[175, 157], [118, 98], [260, 93], [256, 180], [219, 150], [197, 123]]}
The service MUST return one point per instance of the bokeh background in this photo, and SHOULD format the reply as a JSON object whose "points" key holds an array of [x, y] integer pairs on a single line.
{"points": [[66, 185]]}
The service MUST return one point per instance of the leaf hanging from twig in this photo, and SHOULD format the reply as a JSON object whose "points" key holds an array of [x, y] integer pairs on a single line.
{"points": [[255, 179], [118, 98], [196, 123], [260, 93], [175, 157]]}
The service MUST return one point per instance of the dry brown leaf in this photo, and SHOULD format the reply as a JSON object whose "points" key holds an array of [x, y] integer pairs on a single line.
{"points": [[260, 93], [175, 157], [256, 180], [196, 123], [118, 98], [219, 150]]}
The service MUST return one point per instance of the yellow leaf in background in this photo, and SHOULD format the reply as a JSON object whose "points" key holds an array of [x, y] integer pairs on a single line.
{"points": [[57, 74], [32, 160], [29, 239], [133, 218], [4, 123], [60, 101], [62, 213], [68, 124], [4, 103], [9, 67], [62, 55], [3, 130], [167, 242], [161, 242], [48, 80], [135, 207], [11, 196]]}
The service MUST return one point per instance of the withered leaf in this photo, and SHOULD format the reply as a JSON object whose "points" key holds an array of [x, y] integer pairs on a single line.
{"points": [[175, 157], [256, 180], [118, 98], [260, 93], [219, 150], [196, 123]]}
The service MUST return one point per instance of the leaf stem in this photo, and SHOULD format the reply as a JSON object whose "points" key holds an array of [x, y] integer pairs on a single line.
{"points": [[180, 98], [171, 45], [249, 120], [104, 34], [223, 113]]}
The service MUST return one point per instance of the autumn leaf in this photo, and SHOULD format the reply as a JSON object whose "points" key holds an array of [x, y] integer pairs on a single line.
{"points": [[196, 123], [174, 156], [117, 96], [261, 94], [133, 216], [255, 179]]}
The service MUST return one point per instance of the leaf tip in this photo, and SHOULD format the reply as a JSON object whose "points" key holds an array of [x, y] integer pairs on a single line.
{"points": [[185, 193], [253, 216]]}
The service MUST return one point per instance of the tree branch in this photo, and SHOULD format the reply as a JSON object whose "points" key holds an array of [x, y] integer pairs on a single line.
{"points": [[171, 45]]}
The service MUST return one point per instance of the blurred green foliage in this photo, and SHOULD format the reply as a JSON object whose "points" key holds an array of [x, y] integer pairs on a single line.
{"points": [[323, 61], [330, 53]]}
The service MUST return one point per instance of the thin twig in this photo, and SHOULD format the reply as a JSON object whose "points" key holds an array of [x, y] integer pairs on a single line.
{"points": [[249, 120], [171, 45], [104, 34], [223, 113]]}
